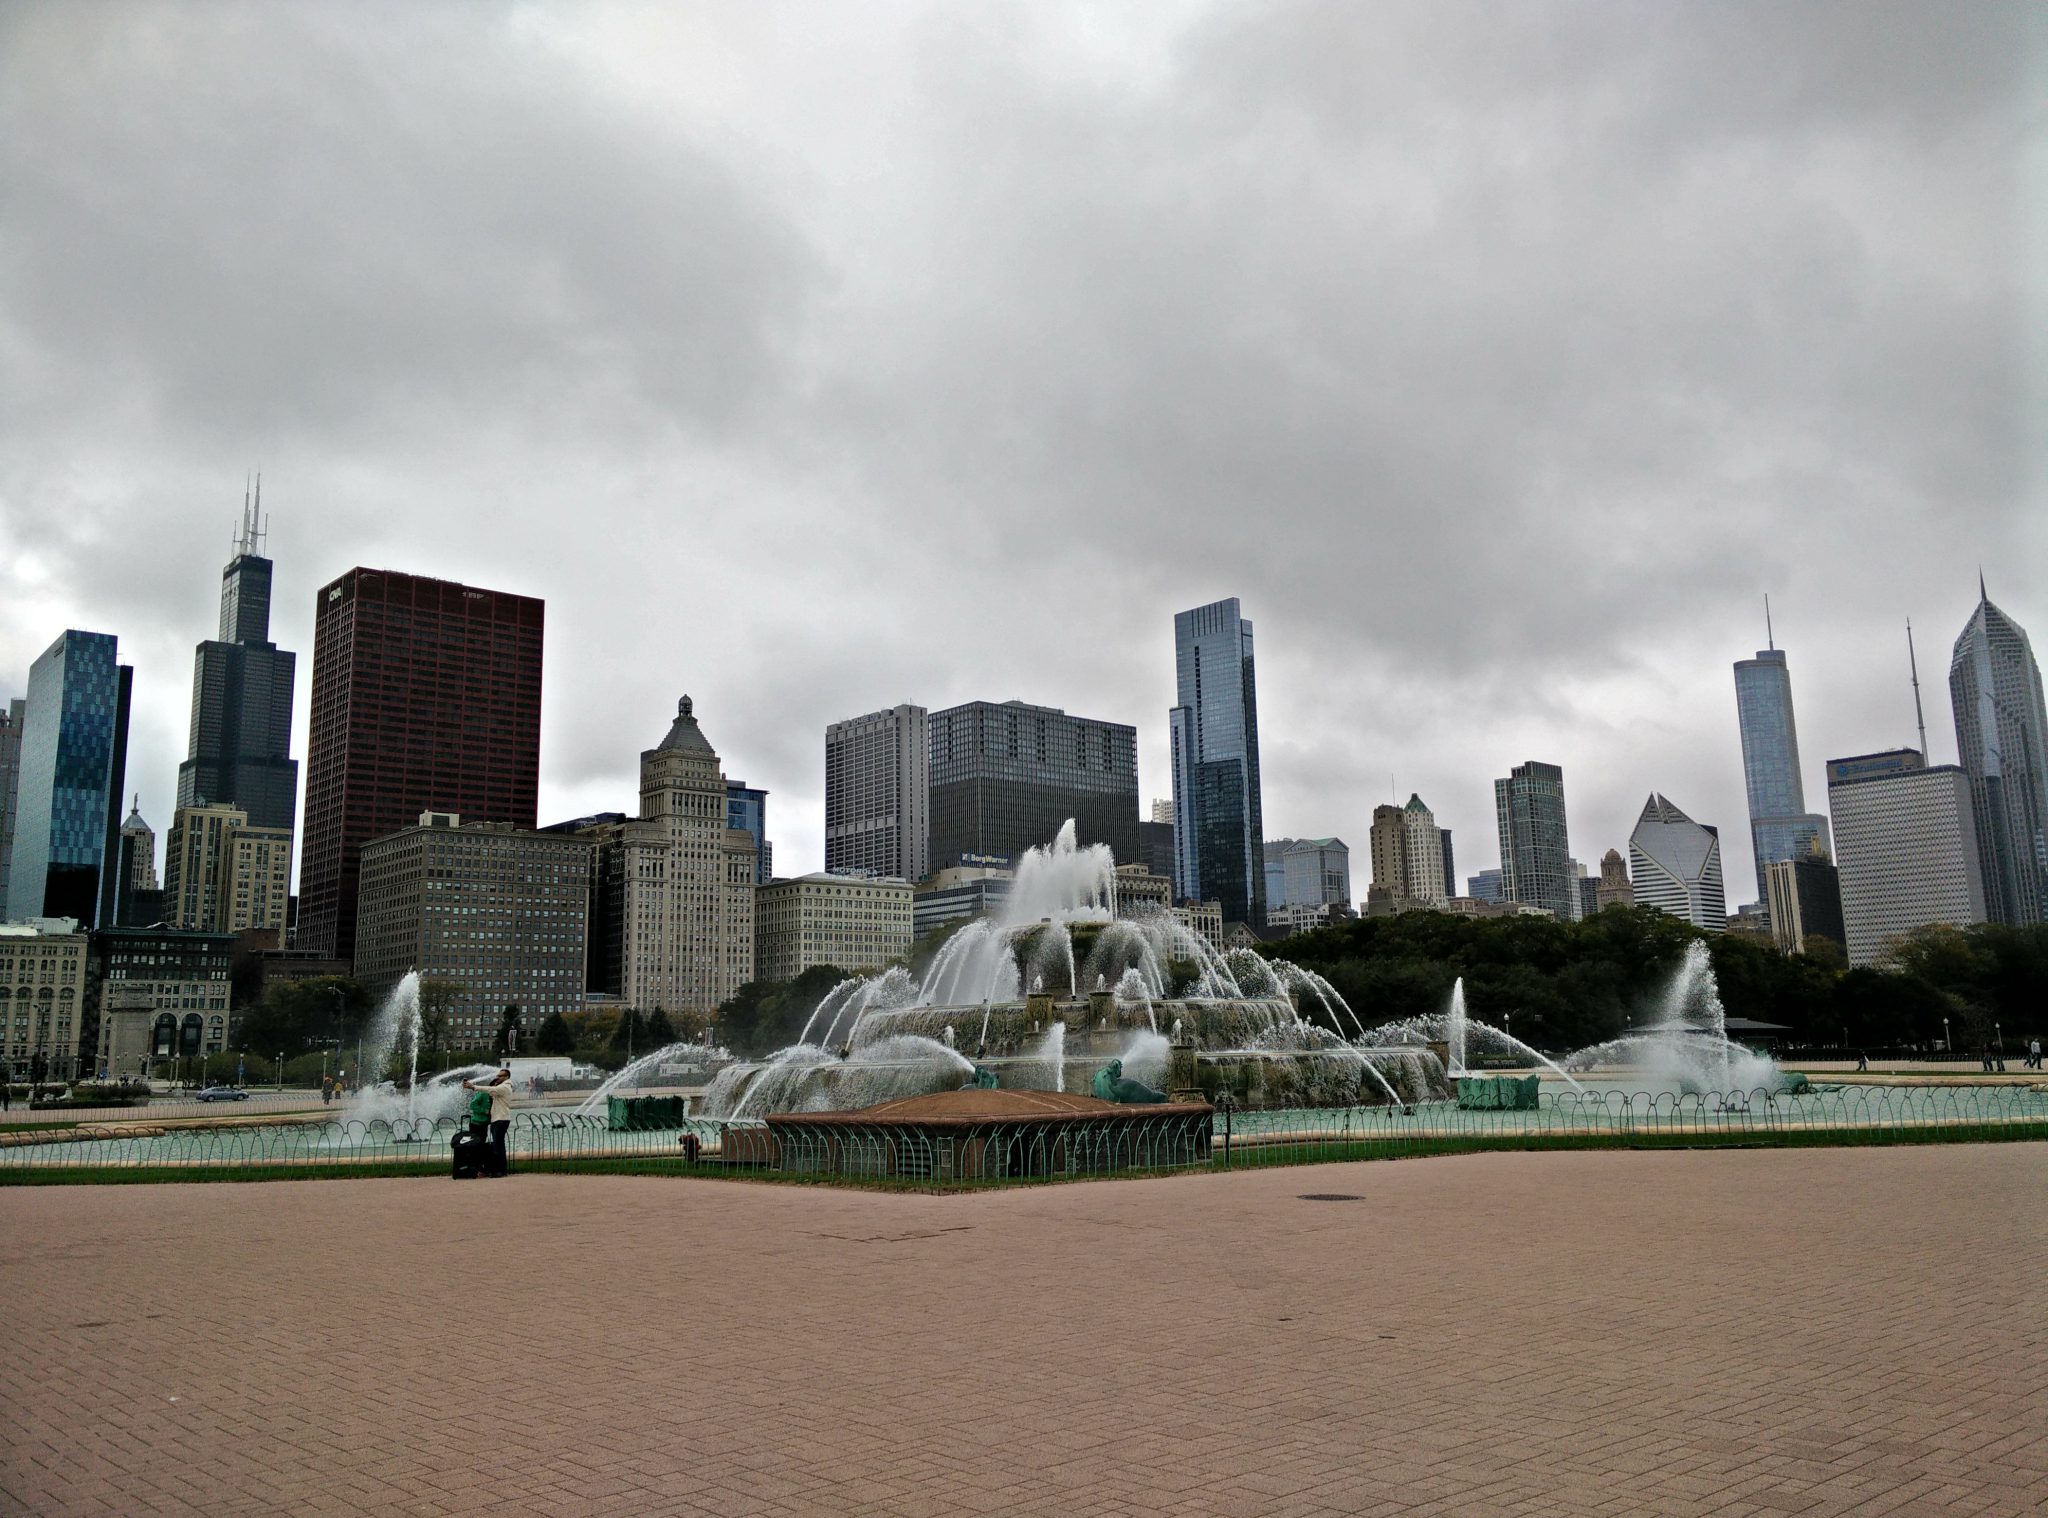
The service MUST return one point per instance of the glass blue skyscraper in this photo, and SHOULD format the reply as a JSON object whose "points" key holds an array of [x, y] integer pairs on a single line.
{"points": [[1780, 827], [1219, 824], [746, 811], [2002, 739], [74, 760]]}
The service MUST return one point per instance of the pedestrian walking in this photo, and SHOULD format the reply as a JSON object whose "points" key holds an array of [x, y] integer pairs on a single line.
{"points": [[1862, 1059], [498, 1093], [2033, 1054]]}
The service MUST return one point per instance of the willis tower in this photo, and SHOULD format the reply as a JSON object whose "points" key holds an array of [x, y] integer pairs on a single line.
{"points": [[242, 696]]}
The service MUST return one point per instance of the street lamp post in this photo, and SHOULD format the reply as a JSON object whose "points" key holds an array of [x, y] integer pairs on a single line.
{"points": [[1947, 1045]]}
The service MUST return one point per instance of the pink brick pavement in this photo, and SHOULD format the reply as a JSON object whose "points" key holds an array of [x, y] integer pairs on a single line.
{"points": [[1756, 1332]]}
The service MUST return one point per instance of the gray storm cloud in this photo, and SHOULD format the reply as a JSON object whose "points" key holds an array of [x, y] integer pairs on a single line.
{"points": [[1499, 357]]}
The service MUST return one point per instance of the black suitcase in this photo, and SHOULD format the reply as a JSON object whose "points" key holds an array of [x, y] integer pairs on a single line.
{"points": [[468, 1151]]}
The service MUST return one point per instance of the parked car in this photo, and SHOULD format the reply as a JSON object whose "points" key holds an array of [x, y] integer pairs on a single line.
{"points": [[223, 1094]]}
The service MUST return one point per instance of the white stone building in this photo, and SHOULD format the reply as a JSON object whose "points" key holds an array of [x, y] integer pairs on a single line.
{"points": [[687, 908], [852, 922], [1905, 848], [42, 994], [878, 774]]}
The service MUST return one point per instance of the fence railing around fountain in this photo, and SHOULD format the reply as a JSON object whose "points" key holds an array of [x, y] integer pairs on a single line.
{"points": [[996, 1153]]}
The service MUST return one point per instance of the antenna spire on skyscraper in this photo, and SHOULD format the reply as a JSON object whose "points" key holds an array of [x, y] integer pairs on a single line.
{"points": [[1770, 637], [1913, 664]]}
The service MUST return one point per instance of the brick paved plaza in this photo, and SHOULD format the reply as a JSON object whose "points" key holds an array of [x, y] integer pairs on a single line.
{"points": [[1774, 1331]]}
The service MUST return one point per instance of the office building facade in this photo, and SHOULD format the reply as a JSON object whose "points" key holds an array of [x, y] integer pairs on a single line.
{"points": [[1005, 776], [2002, 741], [502, 912], [878, 780], [686, 912], [1535, 846], [855, 923], [1307, 872], [181, 979], [1485, 887], [746, 811], [426, 697], [1804, 900], [1674, 865], [1905, 848], [43, 981], [223, 874], [239, 743], [1613, 888], [74, 760], [1213, 735], [1780, 827], [12, 720]]}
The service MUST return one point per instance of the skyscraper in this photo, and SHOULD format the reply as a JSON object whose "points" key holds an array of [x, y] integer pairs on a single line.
{"points": [[1005, 776], [1675, 866], [687, 917], [2002, 740], [426, 697], [140, 903], [74, 758], [1804, 897], [1535, 849], [11, 723], [746, 809], [1408, 855], [1780, 827], [1219, 822], [1905, 848], [1614, 889], [878, 779], [239, 751]]}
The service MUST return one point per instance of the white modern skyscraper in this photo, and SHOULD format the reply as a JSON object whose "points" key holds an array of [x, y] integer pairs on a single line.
{"points": [[1905, 848], [878, 773], [1674, 865], [2002, 739]]}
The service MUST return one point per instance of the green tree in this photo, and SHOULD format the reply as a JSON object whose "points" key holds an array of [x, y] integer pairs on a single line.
{"points": [[554, 1036], [438, 996], [660, 1031], [301, 1014], [630, 1036]]}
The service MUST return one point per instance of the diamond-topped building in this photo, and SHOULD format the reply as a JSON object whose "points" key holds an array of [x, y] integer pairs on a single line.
{"points": [[2002, 741]]}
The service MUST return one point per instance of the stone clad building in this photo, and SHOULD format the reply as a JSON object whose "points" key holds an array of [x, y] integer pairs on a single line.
{"points": [[500, 911], [222, 875], [853, 923], [686, 911], [42, 995]]}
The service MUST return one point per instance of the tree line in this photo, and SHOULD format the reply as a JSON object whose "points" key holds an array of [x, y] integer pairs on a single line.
{"points": [[1568, 984]]}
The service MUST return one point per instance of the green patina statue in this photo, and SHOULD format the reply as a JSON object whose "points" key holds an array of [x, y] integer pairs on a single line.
{"points": [[1109, 1085], [983, 1079]]}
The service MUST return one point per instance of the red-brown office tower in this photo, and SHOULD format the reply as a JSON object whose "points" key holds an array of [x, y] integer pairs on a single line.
{"points": [[426, 697]]}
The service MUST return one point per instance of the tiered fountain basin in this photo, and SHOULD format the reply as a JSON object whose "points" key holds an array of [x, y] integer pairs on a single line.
{"points": [[979, 1134], [1261, 1051]]}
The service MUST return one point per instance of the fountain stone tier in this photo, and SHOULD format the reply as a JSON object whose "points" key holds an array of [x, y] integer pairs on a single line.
{"points": [[1499, 1093], [1048, 993]]}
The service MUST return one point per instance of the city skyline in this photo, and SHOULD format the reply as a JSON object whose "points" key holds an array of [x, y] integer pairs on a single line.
{"points": [[1523, 406]]}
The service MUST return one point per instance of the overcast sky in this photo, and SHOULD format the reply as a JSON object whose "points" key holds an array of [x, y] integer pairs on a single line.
{"points": [[810, 359]]}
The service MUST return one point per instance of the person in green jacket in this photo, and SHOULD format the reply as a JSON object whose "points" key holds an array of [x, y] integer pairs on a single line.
{"points": [[497, 1099], [479, 1114]]}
